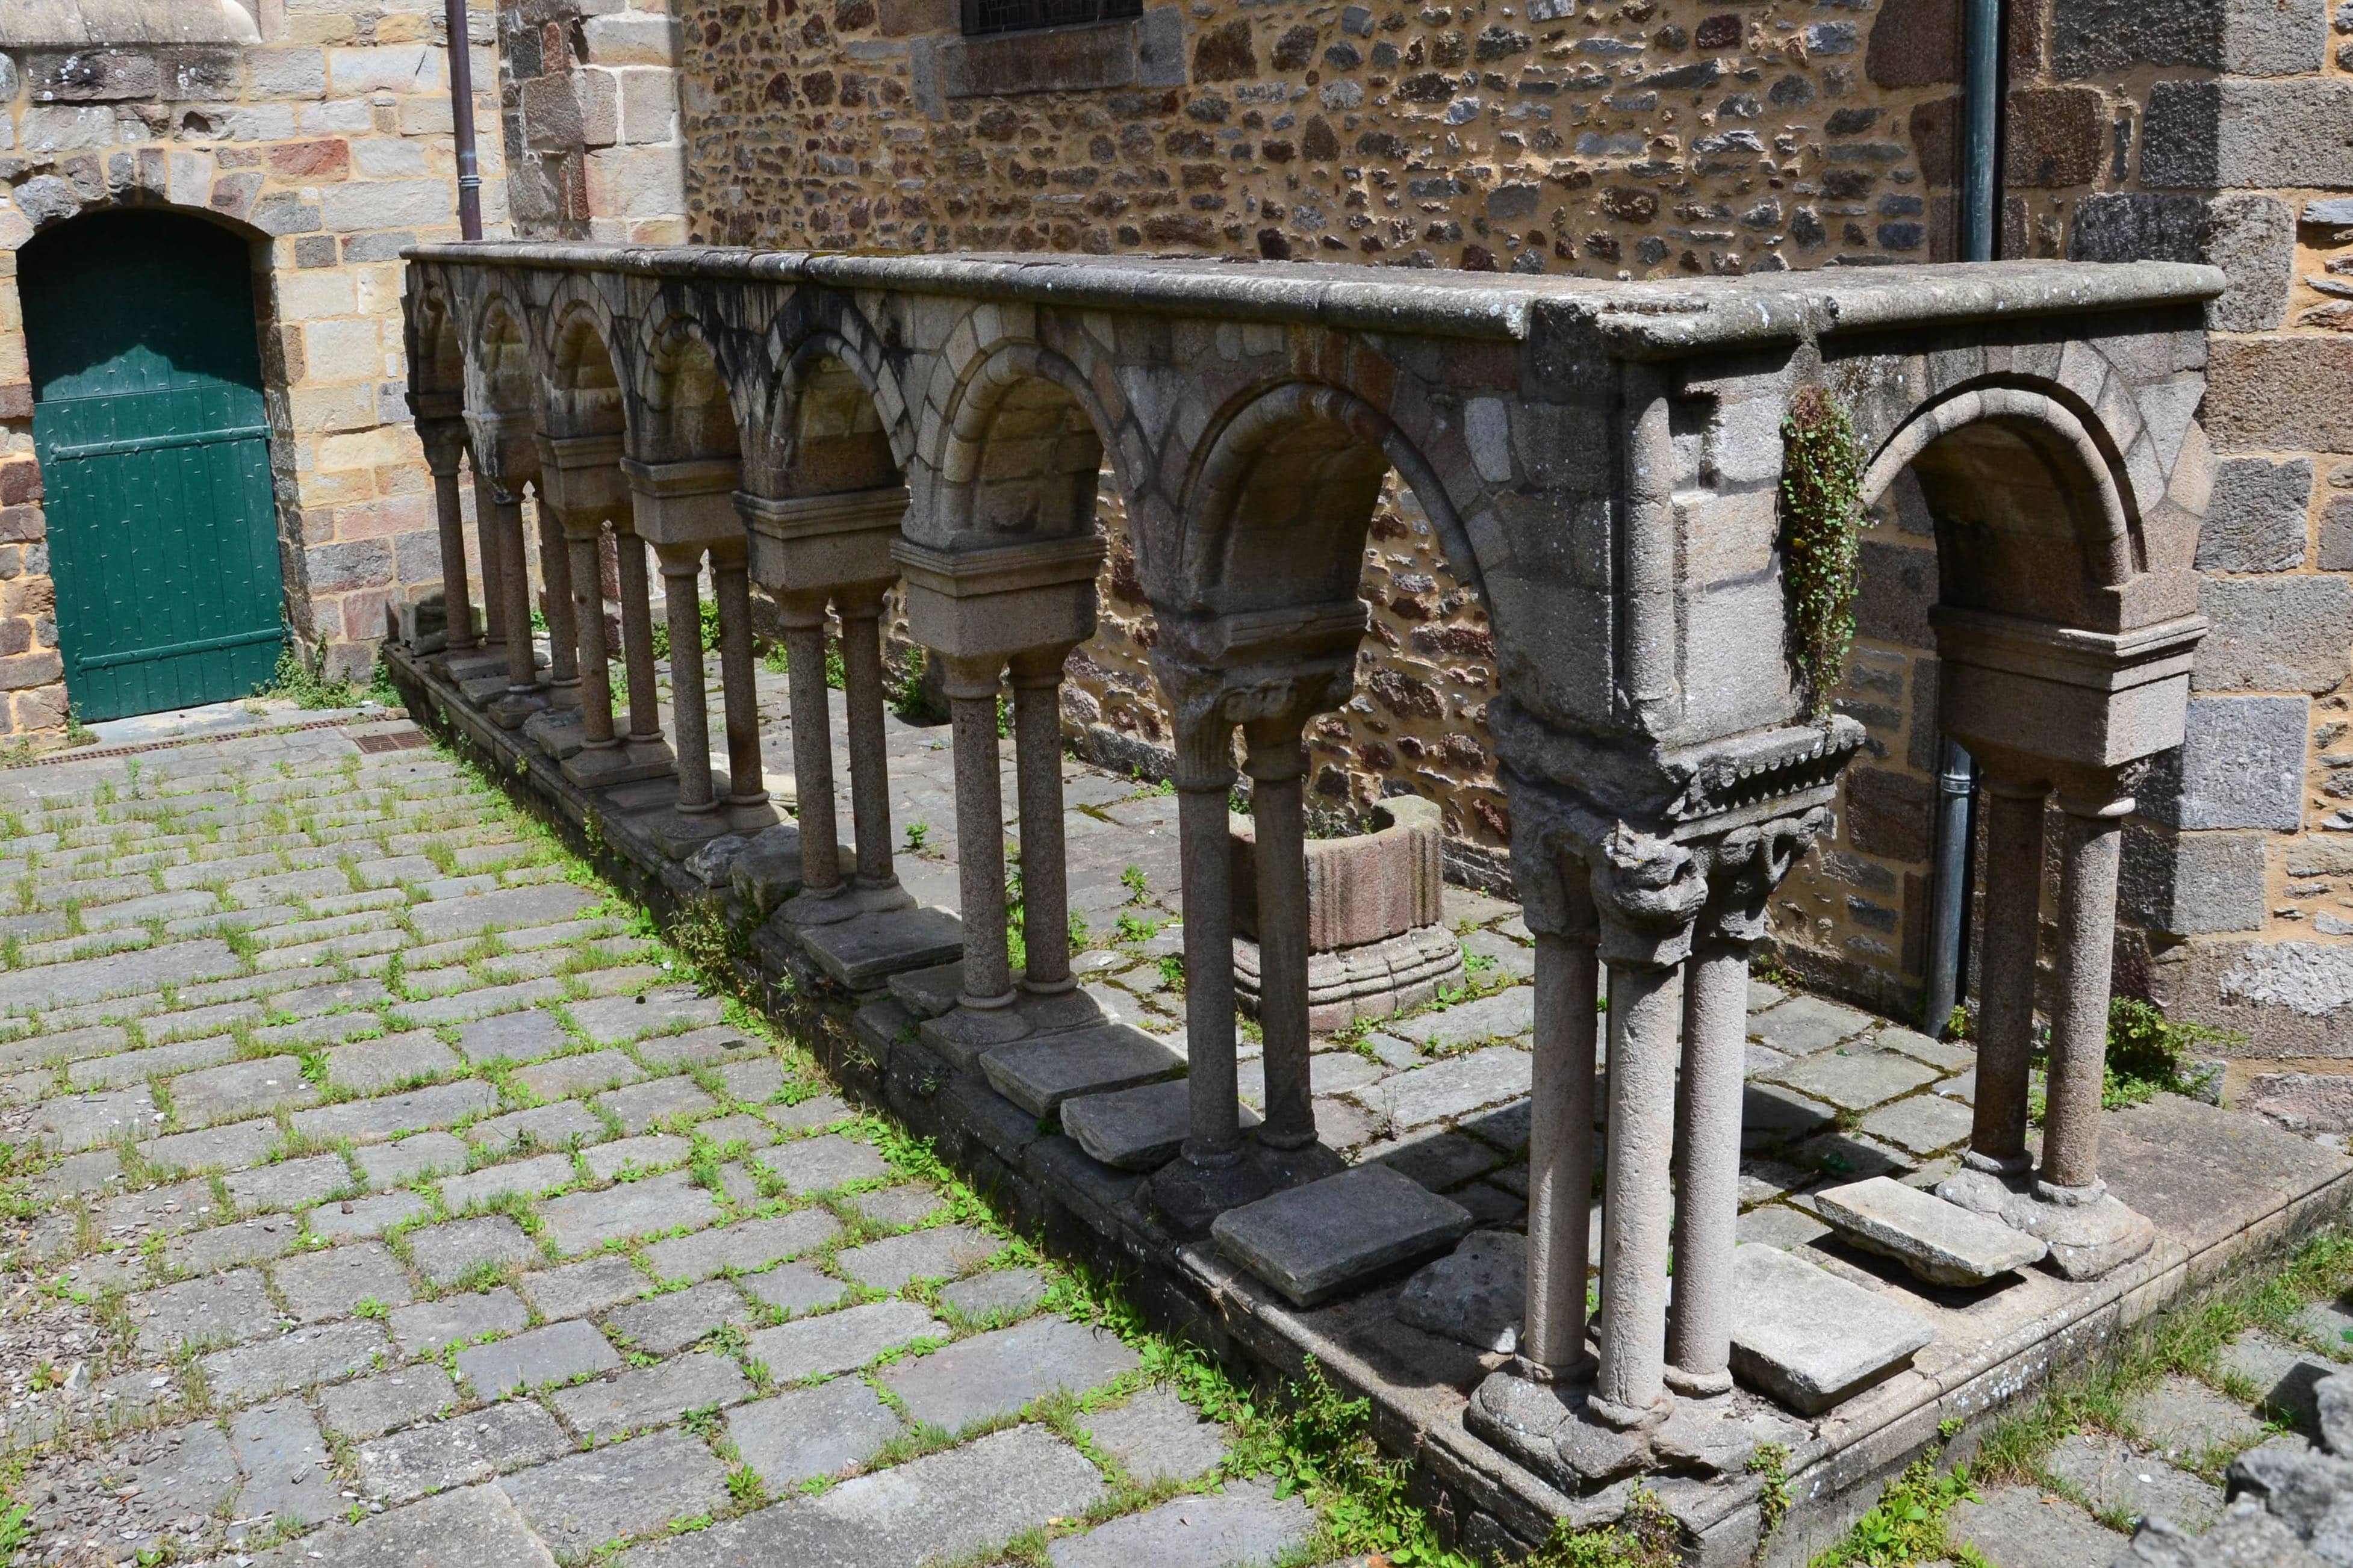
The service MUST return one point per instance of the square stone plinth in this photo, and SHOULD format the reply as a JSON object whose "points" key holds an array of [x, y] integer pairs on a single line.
{"points": [[1312, 1242], [1136, 1129], [1808, 1337], [1039, 1075], [1940, 1242], [863, 953]]}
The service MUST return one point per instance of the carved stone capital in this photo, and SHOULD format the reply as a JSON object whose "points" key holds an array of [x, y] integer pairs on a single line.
{"points": [[444, 440], [1748, 863], [1648, 892]]}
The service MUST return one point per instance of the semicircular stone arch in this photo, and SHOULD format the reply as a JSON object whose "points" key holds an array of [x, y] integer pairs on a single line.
{"points": [[835, 418]]}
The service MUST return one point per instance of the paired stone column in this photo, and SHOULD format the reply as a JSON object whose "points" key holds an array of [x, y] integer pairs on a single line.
{"points": [[494, 578], [746, 776], [1561, 1151], [637, 634], [1277, 765], [1038, 777], [681, 570], [2011, 928], [1205, 781], [563, 634], [803, 614], [858, 607], [972, 685], [582, 537], [2090, 843], [526, 693], [445, 443]]}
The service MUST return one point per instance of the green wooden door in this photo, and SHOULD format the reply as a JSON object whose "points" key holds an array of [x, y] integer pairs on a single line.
{"points": [[154, 451]]}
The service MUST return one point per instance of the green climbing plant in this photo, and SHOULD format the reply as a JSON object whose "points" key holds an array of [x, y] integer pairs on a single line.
{"points": [[1821, 524]]}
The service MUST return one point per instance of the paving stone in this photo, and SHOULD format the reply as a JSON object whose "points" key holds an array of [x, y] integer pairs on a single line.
{"points": [[58, 985], [389, 1116], [1810, 1339], [373, 1065], [288, 1183], [321, 1284], [474, 1528], [155, 1061], [288, 1475], [1438, 1160], [1773, 1224], [1157, 1437], [238, 1089], [294, 1361], [1855, 1078], [427, 1326], [804, 1433], [1003, 1292], [746, 1245], [227, 1246], [993, 1374], [581, 1222], [909, 1203], [617, 1020], [530, 1177], [1474, 1294], [840, 1342], [1449, 1089], [1502, 1015], [582, 1501], [418, 1154], [819, 1165], [2116, 1480], [520, 1037], [229, 1148], [1037, 1075], [578, 1289], [640, 1106], [1313, 1241], [218, 1309], [2016, 1525], [2184, 1420], [460, 1007], [646, 1397], [1922, 1124], [565, 1124], [356, 1218], [160, 1211], [677, 1318], [1771, 1115], [537, 1356], [716, 1046], [2284, 1376], [737, 1129], [1244, 1526], [1940, 1242], [752, 1082], [446, 1253], [443, 917], [942, 1253], [564, 1076], [793, 1288], [807, 1115], [371, 1406], [1804, 1025], [457, 1451], [646, 1152], [68, 1124]]}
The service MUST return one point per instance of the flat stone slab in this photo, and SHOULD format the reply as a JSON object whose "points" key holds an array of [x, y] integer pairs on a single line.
{"points": [[819, 1164], [1922, 1124], [864, 953], [389, 1116], [581, 1222], [240, 1090], [428, 1326], [2185, 1420], [418, 1154], [217, 1309], [514, 1037], [445, 1253], [333, 1283], [1477, 1294], [559, 1077], [1139, 1129], [640, 1106], [546, 1355], [1804, 1025], [1157, 1437], [287, 1474], [530, 1177], [616, 1020], [1449, 1089], [2116, 1480], [373, 1065], [1037, 1075], [1808, 1337], [477, 1527], [2026, 1525], [357, 1217], [581, 1501], [577, 1289], [677, 1318], [840, 1342], [805, 1433], [371, 1406], [1940, 1242], [458, 1451], [651, 1395], [1244, 1526], [795, 1287], [290, 1362], [994, 1374], [942, 1253], [1856, 1077], [1312, 1242], [1001, 1293], [538, 905], [746, 1245], [648, 1152]]}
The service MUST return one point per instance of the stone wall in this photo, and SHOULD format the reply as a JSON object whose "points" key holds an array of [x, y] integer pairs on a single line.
{"points": [[592, 123], [322, 133]]}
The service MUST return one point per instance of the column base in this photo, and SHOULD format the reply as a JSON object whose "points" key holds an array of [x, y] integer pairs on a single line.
{"points": [[679, 834], [512, 711], [2089, 1232], [844, 901], [962, 1033], [602, 766], [559, 731], [1691, 1385], [564, 695], [1554, 1429], [1186, 1196], [477, 663]]}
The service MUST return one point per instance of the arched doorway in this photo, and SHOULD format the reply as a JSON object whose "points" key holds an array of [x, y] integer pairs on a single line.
{"points": [[155, 449]]}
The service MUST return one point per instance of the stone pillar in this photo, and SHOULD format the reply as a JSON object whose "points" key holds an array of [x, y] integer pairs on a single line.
{"points": [[1277, 764], [2006, 972], [746, 778], [860, 607], [1045, 875], [1560, 1156], [522, 668], [563, 636], [803, 615], [681, 566], [971, 688], [1205, 780], [444, 443], [1707, 1164], [637, 636], [581, 541], [2091, 839], [485, 533]]}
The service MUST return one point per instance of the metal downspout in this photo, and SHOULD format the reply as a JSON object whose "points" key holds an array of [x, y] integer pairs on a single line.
{"points": [[461, 121]]}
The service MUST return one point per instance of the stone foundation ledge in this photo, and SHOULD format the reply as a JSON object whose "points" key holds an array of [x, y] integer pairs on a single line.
{"points": [[2225, 1191]]}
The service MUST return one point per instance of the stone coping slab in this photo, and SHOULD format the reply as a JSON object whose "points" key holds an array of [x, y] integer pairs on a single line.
{"points": [[1940, 1242], [1810, 1337], [1314, 1241]]}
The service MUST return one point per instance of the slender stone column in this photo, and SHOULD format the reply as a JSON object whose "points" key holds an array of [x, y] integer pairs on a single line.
{"points": [[1045, 872], [582, 539], [681, 567], [803, 615], [861, 609], [514, 583], [2091, 840], [2013, 915], [1276, 763], [1646, 1007], [729, 570], [972, 688], [1560, 1156], [444, 445], [1205, 779], [485, 533], [1707, 1162], [637, 634], [562, 634]]}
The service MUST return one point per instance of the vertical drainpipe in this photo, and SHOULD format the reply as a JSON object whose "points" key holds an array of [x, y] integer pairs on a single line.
{"points": [[461, 122], [1955, 773]]}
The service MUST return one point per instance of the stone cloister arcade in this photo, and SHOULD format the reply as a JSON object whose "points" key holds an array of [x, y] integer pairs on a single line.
{"points": [[1602, 461]]}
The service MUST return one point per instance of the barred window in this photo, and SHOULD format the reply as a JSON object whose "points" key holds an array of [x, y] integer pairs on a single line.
{"points": [[981, 17]]}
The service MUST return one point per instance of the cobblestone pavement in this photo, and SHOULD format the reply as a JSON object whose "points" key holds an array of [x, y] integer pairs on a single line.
{"points": [[396, 1200]]}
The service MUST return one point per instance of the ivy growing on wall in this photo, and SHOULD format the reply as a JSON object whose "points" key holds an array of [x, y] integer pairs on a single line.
{"points": [[1821, 523]]}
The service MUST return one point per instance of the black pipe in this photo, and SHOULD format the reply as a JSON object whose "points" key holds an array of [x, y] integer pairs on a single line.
{"points": [[461, 122]]}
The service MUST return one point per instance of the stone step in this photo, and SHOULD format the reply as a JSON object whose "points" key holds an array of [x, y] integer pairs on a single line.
{"points": [[1940, 1242], [1312, 1242], [1808, 1337]]}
